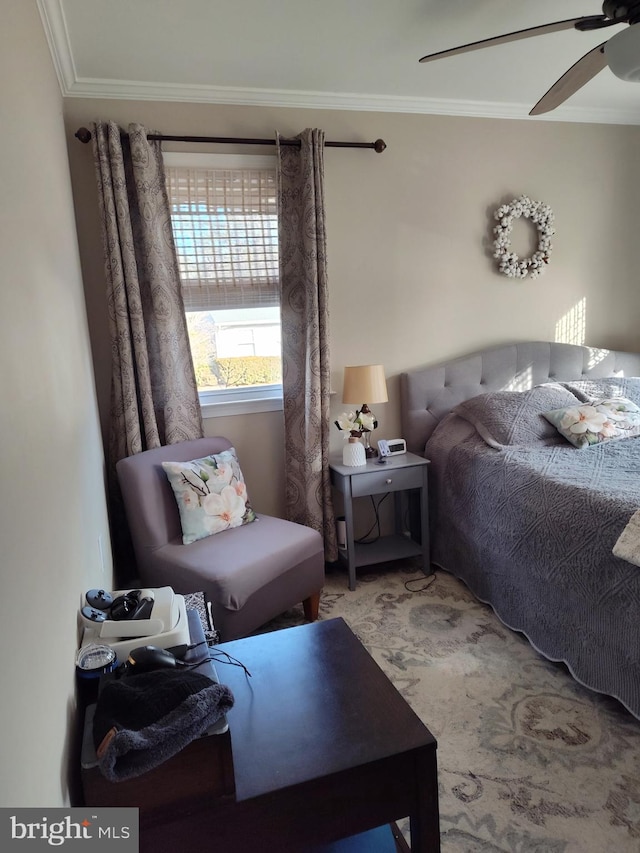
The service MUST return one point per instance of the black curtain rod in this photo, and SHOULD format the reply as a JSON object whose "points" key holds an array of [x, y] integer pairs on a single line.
{"points": [[84, 135]]}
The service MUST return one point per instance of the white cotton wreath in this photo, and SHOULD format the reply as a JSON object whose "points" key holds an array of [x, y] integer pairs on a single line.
{"points": [[540, 214]]}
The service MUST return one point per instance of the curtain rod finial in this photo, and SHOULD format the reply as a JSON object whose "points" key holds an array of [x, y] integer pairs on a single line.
{"points": [[84, 135], [379, 145]]}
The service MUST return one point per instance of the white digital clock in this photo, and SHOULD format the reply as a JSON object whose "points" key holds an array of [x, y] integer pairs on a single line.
{"points": [[392, 447]]}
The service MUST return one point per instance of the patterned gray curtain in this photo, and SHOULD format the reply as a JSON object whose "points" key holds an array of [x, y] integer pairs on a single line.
{"points": [[154, 396], [305, 334]]}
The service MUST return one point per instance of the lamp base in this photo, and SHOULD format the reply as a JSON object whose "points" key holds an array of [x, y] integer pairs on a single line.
{"points": [[369, 452]]}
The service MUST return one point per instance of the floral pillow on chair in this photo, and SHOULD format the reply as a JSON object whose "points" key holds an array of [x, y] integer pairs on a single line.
{"points": [[211, 494]]}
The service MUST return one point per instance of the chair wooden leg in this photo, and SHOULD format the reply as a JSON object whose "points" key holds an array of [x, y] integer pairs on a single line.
{"points": [[311, 606]]}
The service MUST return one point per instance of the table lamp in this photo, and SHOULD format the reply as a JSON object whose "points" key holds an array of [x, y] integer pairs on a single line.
{"points": [[365, 382]]}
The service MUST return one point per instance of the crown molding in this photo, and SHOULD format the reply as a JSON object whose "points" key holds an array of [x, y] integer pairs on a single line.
{"points": [[141, 91], [57, 35], [72, 86]]}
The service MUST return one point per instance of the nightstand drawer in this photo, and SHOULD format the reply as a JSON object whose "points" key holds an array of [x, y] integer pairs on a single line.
{"points": [[392, 480]]}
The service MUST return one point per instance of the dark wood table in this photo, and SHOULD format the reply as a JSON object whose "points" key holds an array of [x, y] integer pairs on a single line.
{"points": [[323, 747]]}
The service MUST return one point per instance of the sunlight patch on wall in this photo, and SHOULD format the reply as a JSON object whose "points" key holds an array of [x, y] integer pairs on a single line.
{"points": [[596, 356], [572, 327], [522, 381]]}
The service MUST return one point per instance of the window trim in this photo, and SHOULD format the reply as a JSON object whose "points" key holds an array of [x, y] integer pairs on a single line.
{"points": [[219, 161], [240, 401]]}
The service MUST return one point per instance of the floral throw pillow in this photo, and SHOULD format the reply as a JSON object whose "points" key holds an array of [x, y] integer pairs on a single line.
{"points": [[597, 421], [211, 494]]}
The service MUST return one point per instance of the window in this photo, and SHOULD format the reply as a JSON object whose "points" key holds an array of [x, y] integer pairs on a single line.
{"points": [[225, 227]]}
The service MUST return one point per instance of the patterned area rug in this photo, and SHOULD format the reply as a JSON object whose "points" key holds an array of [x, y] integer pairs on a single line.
{"points": [[529, 760]]}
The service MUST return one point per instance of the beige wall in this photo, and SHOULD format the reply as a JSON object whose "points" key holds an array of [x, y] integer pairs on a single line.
{"points": [[51, 490], [411, 277]]}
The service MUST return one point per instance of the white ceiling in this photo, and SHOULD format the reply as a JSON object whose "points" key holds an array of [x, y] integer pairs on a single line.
{"points": [[338, 54]]}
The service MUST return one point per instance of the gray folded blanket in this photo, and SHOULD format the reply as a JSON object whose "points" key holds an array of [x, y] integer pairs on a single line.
{"points": [[142, 720]]}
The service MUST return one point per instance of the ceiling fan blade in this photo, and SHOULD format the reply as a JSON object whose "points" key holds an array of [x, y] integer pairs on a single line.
{"points": [[580, 73], [588, 22]]}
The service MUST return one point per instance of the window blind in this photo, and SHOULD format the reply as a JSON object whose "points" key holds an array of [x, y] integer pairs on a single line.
{"points": [[225, 227]]}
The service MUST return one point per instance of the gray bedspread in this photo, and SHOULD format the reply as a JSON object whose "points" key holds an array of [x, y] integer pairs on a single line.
{"points": [[531, 531]]}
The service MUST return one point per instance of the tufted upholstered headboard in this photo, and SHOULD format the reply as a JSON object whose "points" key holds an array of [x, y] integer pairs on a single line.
{"points": [[428, 394]]}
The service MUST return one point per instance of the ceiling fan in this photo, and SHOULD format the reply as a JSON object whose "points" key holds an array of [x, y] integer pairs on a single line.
{"points": [[621, 52]]}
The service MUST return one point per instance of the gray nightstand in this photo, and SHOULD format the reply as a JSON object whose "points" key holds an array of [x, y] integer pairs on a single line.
{"points": [[400, 474]]}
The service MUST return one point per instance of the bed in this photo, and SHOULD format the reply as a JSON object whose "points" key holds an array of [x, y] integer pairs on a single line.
{"points": [[528, 520]]}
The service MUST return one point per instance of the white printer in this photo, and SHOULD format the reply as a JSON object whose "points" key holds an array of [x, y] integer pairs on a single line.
{"points": [[165, 625]]}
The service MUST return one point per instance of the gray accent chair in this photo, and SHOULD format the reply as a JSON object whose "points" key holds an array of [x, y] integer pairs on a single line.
{"points": [[250, 574]]}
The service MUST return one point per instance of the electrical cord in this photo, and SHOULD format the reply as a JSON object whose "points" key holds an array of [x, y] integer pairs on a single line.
{"points": [[425, 580], [376, 524], [214, 656]]}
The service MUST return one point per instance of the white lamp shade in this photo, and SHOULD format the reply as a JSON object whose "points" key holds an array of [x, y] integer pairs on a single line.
{"points": [[364, 383], [623, 53]]}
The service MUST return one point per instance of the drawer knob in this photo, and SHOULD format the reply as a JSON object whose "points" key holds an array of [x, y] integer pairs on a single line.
{"points": [[389, 481]]}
